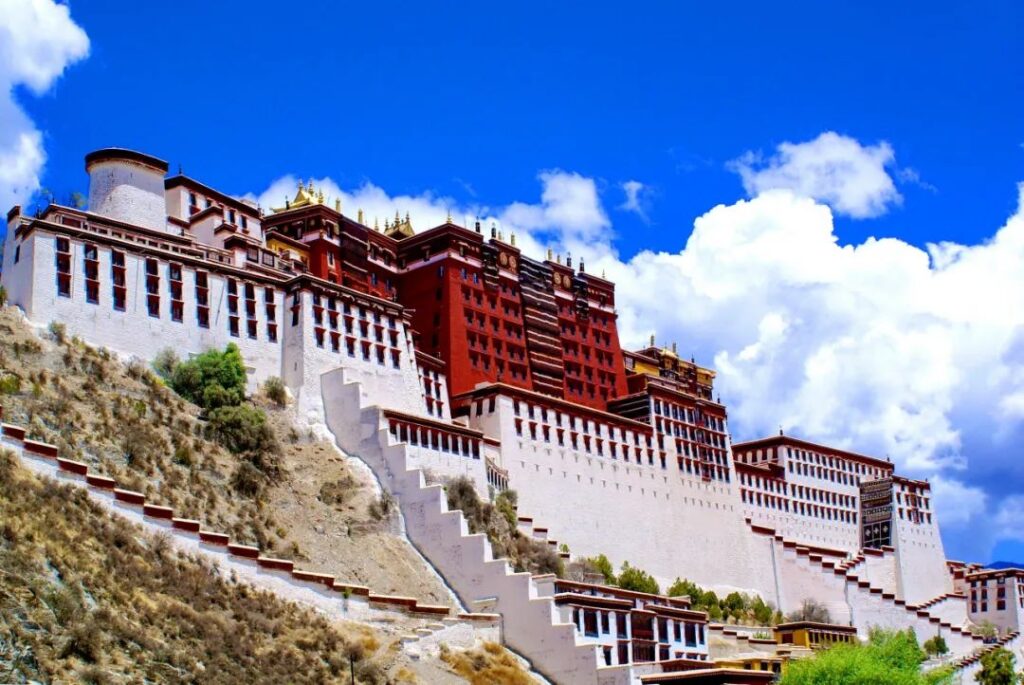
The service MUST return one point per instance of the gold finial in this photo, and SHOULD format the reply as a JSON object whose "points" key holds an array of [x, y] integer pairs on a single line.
{"points": [[376, 226], [320, 196], [652, 339], [549, 254], [602, 273], [359, 216], [513, 238], [558, 258], [408, 221], [449, 219], [337, 206], [386, 225], [398, 219]]}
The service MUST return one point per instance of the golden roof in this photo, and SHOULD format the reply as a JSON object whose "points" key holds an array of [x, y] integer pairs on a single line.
{"points": [[304, 197], [400, 229]]}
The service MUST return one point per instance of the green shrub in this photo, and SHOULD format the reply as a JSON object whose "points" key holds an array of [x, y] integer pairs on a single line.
{"points": [[997, 668], [197, 379], [936, 646], [244, 430], [275, 391], [165, 362], [59, 332], [638, 580], [10, 385]]}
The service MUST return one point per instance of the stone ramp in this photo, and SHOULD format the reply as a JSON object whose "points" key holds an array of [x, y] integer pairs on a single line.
{"points": [[529, 623]]}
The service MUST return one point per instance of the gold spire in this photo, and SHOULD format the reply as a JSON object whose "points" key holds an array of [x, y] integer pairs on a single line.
{"points": [[513, 238], [337, 205], [376, 226], [401, 228], [303, 197], [359, 216]]}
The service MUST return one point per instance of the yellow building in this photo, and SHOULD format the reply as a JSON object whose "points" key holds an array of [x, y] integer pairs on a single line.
{"points": [[813, 635]]}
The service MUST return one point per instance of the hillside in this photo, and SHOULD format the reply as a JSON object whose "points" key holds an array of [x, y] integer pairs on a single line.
{"points": [[122, 419], [87, 597]]}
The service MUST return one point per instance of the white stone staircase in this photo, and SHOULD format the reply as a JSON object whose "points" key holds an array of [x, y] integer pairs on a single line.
{"points": [[529, 623], [852, 599]]}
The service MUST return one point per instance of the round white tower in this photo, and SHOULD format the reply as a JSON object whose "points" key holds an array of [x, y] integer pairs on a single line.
{"points": [[127, 186]]}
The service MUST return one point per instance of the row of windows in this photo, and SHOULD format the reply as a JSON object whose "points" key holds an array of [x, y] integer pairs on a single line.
{"points": [[801, 508], [834, 462], [535, 411], [436, 439], [154, 292]]}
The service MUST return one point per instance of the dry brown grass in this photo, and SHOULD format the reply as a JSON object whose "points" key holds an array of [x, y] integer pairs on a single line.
{"points": [[124, 422], [489, 664], [87, 597]]}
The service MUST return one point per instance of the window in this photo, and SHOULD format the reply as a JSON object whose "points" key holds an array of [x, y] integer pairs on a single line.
{"points": [[153, 288], [177, 303], [91, 268], [63, 263], [117, 277], [202, 300]]}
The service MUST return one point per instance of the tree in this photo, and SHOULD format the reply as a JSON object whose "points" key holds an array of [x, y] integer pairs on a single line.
{"points": [[212, 379], [638, 580], [936, 646], [997, 668], [811, 610], [604, 567]]}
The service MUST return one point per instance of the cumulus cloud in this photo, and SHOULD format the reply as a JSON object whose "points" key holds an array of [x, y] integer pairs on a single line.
{"points": [[881, 347], [834, 169], [38, 41], [636, 198]]}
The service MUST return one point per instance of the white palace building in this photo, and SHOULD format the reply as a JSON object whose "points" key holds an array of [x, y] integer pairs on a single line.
{"points": [[448, 350]]}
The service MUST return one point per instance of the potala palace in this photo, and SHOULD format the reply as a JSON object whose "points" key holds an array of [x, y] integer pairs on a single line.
{"points": [[445, 350]]}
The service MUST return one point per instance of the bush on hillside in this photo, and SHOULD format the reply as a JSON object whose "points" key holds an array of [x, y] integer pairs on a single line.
{"points": [[997, 668], [275, 391], [244, 430], [165, 362], [212, 379], [498, 522]]}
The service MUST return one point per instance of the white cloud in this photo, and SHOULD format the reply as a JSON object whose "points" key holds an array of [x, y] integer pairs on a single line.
{"points": [[959, 505], [636, 198], [834, 169], [38, 40], [1010, 518]]}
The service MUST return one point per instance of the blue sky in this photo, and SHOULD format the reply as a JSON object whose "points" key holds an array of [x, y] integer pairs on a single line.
{"points": [[539, 115]]}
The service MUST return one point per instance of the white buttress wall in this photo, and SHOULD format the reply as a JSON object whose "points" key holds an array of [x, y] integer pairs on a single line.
{"points": [[921, 559]]}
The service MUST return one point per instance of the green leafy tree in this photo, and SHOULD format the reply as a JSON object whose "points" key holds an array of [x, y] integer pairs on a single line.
{"points": [[936, 646], [212, 379], [638, 580], [604, 567], [997, 668], [762, 612]]}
